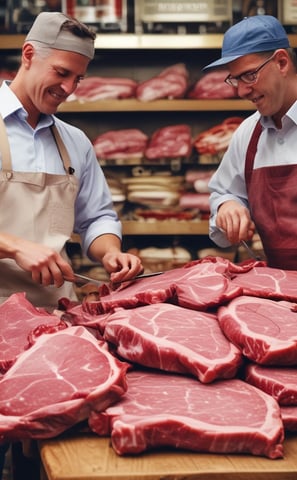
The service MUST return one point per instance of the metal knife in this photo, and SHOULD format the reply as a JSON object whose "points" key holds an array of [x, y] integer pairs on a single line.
{"points": [[83, 279], [251, 253]]}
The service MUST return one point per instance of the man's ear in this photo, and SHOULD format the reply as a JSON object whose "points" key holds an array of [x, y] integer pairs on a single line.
{"points": [[27, 54]]}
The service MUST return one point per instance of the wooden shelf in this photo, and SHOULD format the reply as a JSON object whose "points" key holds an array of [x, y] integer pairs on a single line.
{"points": [[165, 227], [130, 41], [134, 105]]}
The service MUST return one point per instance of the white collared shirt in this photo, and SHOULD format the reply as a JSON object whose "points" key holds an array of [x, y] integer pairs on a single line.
{"points": [[275, 147], [34, 150]]}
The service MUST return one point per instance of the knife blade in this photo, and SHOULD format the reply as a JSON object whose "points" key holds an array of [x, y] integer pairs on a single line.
{"points": [[251, 253], [83, 279], [139, 277]]}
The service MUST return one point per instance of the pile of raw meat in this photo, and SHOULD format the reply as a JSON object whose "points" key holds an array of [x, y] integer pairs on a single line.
{"points": [[171, 83], [201, 357], [131, 143]]}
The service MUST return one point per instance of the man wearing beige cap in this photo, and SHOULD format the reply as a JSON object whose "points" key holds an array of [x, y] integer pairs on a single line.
{"points": [[51, 183], [255, 184]]}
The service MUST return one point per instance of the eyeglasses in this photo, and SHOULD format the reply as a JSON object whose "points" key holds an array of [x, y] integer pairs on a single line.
{"points": [[248, 77]]}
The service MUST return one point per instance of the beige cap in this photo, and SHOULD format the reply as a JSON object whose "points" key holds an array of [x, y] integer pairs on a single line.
{"points": [[46, 30]]}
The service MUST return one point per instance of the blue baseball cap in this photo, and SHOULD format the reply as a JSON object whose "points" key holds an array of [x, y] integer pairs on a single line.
{"points": [[260, 33]]}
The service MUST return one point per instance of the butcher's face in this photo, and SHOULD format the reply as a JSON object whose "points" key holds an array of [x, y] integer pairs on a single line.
{"points": [[267, 92], [50, 80]]}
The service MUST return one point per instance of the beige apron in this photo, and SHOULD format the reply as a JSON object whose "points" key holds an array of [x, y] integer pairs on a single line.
{"points": [[37, 207]]}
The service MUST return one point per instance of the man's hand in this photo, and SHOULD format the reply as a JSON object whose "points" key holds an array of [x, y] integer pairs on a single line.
{"points": [[46, 266], [122, 266], [235, 220]]}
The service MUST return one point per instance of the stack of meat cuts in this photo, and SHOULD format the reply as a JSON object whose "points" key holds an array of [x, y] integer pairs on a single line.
{"points": [[170, 83], [212, 86], [122, 144], [103, 88], [167, 410], [48, 387], [202, 357], [170, 142], [20, 334], [212, 144]]}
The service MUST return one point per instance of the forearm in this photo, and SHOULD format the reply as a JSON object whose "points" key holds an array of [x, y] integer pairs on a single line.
{"points": [[107, 243], [121, 266], [45, 265], [8, 245]]}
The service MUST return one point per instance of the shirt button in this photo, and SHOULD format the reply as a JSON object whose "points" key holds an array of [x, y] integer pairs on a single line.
{"points": [[280, 141]]}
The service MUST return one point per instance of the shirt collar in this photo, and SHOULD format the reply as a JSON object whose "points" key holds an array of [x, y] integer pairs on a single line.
{"points": [[10, 104], [288, 118], [292, 112]]}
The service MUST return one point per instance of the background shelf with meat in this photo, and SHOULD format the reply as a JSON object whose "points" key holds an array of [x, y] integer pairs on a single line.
{"points": [[141, 58]]}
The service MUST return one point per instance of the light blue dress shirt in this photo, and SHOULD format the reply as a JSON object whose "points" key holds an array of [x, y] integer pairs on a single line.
{"points": [[275, 147], [35, 150]]}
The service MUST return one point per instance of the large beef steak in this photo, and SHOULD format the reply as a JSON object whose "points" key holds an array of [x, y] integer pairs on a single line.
{"points": [[199, 285], [289, 417], [267, 282], [20, 324], [279, 382], [56, 383], [159, 409], [173, 338], [265, 330]]}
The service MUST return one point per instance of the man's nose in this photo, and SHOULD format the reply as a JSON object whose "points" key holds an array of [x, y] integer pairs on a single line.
{"points": [[69, 85], [243, 89]]}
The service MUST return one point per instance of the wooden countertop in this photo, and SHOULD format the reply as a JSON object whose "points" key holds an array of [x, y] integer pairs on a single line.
{"points": [[88, 457]]}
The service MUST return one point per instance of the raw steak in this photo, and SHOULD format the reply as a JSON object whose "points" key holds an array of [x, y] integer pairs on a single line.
{"points": [[280, 383], [265, 330], [267, 282], [56, 383], [103, 88], [175, 339], [212, 85], [169, 142], [159, 409], [20, 324], [121, 144], [289, 418], [198, 285], [172, 82]]}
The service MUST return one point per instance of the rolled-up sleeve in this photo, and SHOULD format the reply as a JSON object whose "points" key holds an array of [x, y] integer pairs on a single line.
{"points": [[228, 182], [94, 212]]}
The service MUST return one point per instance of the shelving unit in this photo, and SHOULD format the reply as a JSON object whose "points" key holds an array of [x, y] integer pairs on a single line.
{"points": [[123, 41], [133, 105], [145, 47]]}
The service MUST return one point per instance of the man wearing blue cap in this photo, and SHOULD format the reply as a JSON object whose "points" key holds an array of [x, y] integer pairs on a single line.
{"points": [[254, 187]]}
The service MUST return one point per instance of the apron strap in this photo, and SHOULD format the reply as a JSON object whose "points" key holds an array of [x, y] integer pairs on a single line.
{"points": [[62, 150], [4, 148], [251, 153]]}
